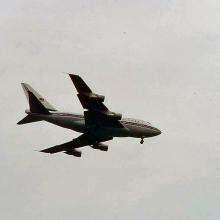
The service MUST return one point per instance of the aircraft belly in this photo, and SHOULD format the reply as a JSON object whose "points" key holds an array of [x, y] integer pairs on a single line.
{"points": [[112, 132], [67, 122]]}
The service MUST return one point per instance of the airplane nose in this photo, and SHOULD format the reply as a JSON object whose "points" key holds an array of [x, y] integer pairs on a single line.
{"points": [[157, 131]]}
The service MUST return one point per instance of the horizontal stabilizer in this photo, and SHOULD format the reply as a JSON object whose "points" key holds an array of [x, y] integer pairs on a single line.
{"points": [[28, 119]]}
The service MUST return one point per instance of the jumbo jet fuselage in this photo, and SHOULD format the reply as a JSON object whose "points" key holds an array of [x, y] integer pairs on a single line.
{"points": [[132, 127]]}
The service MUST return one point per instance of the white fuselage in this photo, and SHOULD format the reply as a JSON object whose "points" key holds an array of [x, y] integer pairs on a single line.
{"points": [[132, 127]]}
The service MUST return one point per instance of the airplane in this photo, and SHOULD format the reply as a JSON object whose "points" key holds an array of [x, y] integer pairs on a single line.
{"points": [[98, 124]]}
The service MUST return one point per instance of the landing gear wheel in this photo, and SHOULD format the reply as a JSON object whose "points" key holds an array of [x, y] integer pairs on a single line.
{"points": [[142, 140]]}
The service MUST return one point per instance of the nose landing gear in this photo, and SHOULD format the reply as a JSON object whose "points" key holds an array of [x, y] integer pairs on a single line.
{"points": [[142, 140]]}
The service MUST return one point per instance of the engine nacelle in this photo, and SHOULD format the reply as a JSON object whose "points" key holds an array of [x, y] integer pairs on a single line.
{"points": [[75, 153], [96, 97], [101, 147], [116, 116]]}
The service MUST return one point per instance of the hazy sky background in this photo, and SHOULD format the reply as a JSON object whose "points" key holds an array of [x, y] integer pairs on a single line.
{"points": [[156, 60]]}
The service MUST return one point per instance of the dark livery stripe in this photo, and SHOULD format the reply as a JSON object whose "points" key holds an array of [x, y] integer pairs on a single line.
{"points": [[69, 115]]}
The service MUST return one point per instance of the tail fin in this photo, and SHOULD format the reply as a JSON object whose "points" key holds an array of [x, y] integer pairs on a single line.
{"points": [[37, 105], [29, 90]]}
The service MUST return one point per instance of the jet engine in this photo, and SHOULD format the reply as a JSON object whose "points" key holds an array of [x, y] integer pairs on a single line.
{"points": [[96, 97], [101, 147], [114, 115], [75, 153]]}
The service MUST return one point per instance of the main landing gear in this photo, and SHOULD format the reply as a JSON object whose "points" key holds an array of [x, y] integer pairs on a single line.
{"points": [[142, 140]]}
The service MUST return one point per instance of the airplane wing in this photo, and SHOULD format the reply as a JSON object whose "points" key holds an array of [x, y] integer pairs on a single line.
{"points": [[81, 141], [97, 112]]}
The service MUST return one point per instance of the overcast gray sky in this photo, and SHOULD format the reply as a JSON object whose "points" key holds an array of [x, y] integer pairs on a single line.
{"points": [[156, 60]]}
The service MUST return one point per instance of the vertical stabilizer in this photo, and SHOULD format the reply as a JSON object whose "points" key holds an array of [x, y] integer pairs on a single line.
{"points": [[37, 104], [28, 89]]}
